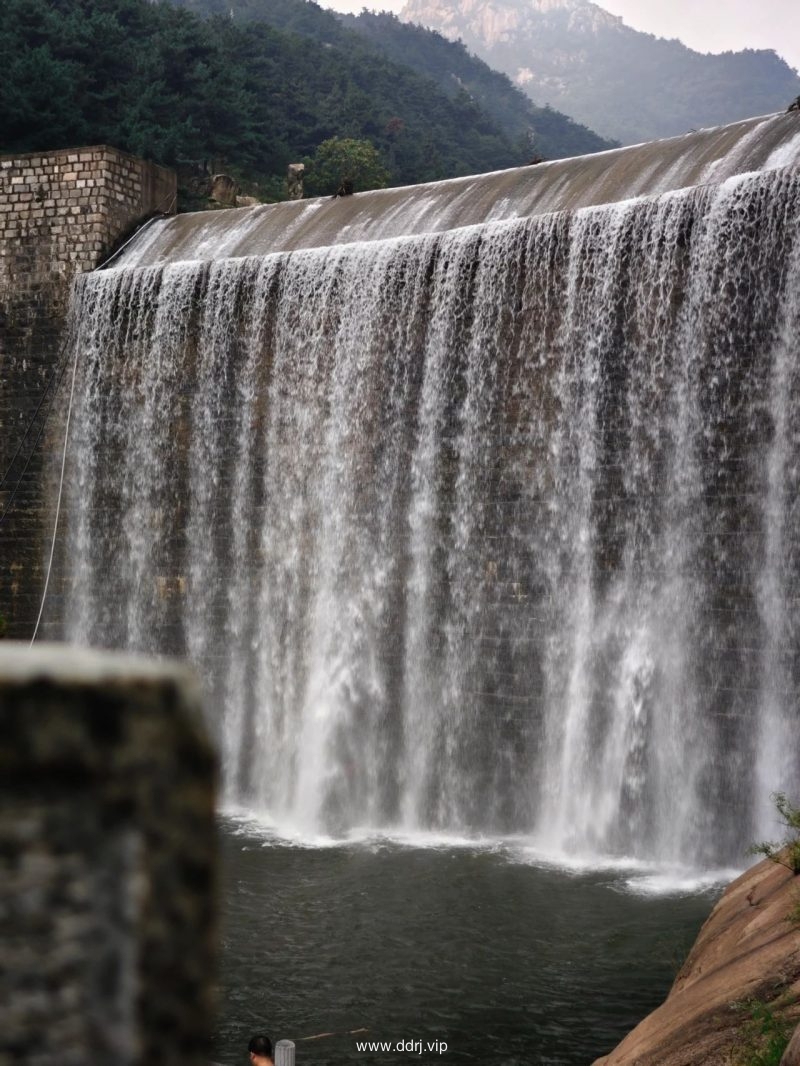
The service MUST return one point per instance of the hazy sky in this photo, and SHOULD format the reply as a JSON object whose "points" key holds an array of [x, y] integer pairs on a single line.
{"points": [[716, 27], [702, 24]]}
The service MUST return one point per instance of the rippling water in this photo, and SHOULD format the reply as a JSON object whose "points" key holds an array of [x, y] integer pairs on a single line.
{"points": [[505, 958]]}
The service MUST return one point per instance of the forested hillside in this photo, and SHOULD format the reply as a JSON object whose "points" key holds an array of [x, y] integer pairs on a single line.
{"points": [[551, 134], [164, 83], [534, 130]]}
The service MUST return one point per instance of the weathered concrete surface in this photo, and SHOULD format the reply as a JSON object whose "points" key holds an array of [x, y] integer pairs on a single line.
{"points": [[106, 861], [747, 950]]}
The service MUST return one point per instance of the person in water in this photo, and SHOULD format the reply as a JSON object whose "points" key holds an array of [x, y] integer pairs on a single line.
{"points": [[260, 1048]]}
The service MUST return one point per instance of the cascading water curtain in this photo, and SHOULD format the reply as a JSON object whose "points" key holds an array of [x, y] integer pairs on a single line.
{"points": [[491, 531]]}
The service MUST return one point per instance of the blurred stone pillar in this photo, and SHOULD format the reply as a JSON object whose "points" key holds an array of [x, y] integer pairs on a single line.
{"points": [[107, 851]]}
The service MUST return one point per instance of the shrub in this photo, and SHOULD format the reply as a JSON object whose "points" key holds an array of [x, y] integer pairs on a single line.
{"points": [[763, 1038], [343, 160], [786, 852]]}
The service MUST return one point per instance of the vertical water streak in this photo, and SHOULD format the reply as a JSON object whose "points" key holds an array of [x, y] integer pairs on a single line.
{"points": [[247, 421], [778, 766]]}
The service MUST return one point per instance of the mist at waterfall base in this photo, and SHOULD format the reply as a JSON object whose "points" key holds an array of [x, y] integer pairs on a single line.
{"points": [[488, 534]]}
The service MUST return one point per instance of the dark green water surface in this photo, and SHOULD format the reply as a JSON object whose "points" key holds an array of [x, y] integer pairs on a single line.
{"points": [[507, 960]]}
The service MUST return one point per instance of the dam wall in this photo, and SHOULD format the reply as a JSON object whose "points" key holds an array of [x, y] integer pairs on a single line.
{"points": [[60, 214], [472, 526]]}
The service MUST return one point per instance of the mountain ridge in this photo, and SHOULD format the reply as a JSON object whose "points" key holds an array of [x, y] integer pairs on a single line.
{"points": [[624, 83]]}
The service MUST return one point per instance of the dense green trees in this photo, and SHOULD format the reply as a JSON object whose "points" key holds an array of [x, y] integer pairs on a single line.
{"points": [[160, 81], [446, 65], [144, 77]]}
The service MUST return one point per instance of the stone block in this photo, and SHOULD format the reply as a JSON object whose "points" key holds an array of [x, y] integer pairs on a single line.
{"points": [[106, 861]]}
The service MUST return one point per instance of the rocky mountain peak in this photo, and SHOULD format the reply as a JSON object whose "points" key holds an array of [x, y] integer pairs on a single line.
{"points": [[633, 86], [492, 21]]}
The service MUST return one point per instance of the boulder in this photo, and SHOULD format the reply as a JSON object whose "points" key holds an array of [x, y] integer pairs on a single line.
{"points": [[747, 950]]}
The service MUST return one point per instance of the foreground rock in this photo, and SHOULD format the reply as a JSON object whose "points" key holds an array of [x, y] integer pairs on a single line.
{"points": [[107, 861], [746, 951], [791, 1056]]}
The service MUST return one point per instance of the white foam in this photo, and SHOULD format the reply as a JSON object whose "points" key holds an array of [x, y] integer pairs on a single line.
{"points": [[628, 874], [265, 826], [680, 882], [784, 155]]}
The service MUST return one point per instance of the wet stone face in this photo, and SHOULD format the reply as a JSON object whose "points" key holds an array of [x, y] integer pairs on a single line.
{"points": [[106, 862]]}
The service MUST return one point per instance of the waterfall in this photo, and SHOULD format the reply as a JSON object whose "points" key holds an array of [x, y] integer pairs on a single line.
{"points": [[492, 530]]}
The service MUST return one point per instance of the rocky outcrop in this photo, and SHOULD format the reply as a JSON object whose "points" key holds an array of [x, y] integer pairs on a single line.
{"points": [[224, 190], [791, 1057], [747, 951], [294, 180]]}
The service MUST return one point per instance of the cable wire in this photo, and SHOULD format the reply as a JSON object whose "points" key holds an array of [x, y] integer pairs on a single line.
{"points": [[58, 500]]}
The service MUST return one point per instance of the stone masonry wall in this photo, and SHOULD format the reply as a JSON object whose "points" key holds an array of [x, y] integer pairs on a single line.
{"points": [[61, 213]]}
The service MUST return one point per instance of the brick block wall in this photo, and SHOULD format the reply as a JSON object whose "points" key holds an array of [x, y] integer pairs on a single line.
{"points": [[61, 213]]}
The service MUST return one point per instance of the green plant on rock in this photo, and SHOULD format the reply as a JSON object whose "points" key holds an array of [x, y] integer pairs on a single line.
{"points": [[764, 1036], [786, 852]]}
